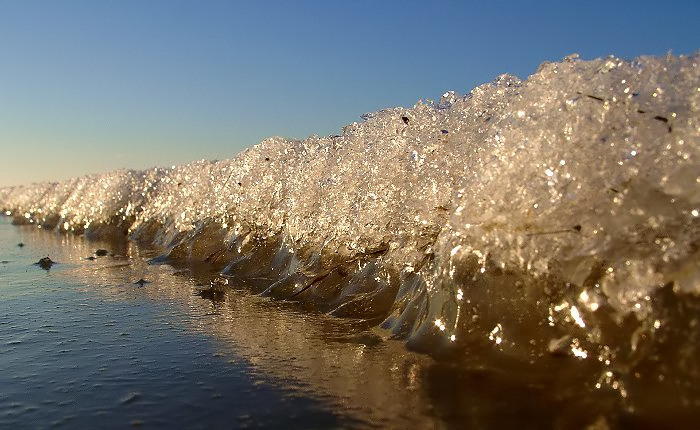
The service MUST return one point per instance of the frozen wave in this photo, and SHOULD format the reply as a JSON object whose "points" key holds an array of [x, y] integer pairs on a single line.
{"points": [[552, 216]]}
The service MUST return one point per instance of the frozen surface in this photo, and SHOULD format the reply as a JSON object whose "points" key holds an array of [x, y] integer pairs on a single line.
{"points": [[556, 216]]}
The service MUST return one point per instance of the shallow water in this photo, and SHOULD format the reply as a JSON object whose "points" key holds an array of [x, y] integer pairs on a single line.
{"points": [[81, 346]]}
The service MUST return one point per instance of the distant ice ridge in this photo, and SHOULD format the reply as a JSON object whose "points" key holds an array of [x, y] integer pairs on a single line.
{"points": [[528, 219]]}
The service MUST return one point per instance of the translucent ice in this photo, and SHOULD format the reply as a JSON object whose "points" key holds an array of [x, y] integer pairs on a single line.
{"points": [[553, 216]]}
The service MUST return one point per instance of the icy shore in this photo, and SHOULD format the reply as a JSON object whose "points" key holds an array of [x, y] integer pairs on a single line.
{"points": [[556, 216]]}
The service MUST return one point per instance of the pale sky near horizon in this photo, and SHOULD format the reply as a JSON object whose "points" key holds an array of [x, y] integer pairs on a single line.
{"points": [[92, 86]]}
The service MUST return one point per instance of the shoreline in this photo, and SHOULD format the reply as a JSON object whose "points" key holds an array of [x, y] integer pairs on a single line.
{"points": [[530, 225]]}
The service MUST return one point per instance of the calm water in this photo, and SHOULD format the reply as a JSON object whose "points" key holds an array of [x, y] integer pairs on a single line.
{"points": [[82, 346]]}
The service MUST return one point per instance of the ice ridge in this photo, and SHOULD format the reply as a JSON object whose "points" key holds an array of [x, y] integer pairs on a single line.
{"points": [[556, 216]]}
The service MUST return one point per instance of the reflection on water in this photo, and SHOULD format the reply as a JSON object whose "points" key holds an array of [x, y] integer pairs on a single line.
{"points": [[81, 346], [85, 344], [83, 341]]}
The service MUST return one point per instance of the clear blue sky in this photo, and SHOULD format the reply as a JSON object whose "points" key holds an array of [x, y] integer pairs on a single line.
{"points": [[92, 86]]}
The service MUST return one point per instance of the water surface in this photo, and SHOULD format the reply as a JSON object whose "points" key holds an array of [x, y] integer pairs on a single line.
{"points": [[82, 346]]}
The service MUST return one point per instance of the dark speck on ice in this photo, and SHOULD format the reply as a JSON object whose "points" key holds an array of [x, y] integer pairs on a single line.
{"points": [[213, 294], [45, 263]]}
